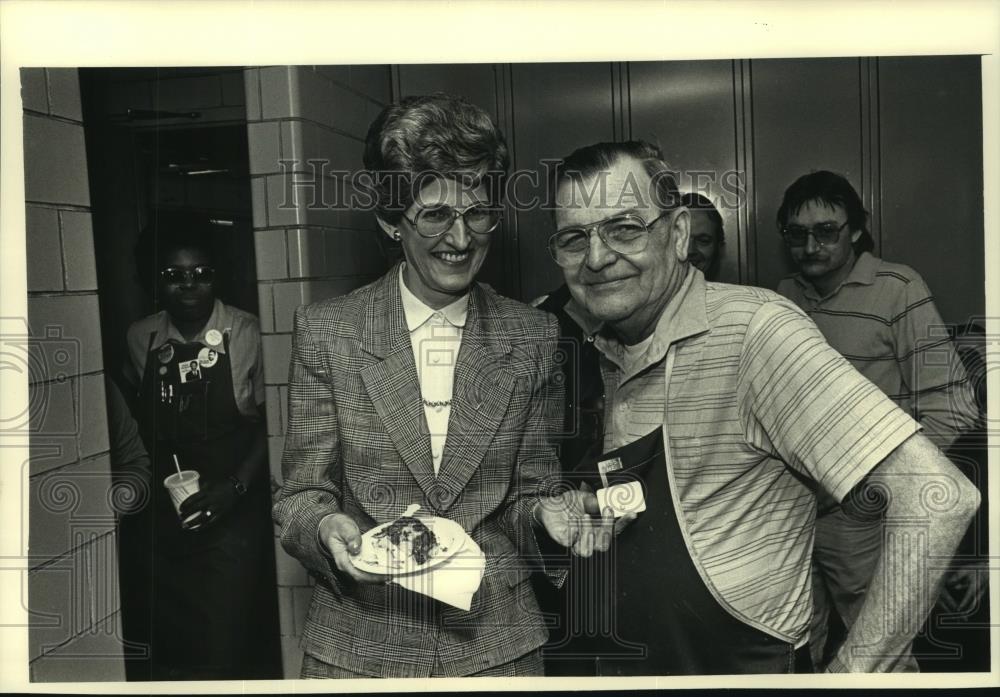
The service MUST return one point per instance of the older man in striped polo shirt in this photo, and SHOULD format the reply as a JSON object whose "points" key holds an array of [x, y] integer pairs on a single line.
{"points": [[726, 411], [881, 317]]}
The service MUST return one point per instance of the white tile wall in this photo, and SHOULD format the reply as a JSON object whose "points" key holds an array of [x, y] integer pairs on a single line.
{"points": [[277, 355], [329, 104], [275, 447], [59, 162], [105, 593], [93, 415], [74, 323], [91, 657], [53, 407], [258, 201], [276, 86], [291, 657], [290, 571], [45, 272], [265, 307], [272, 254], [64, 93], [285, 202], [251, 92], [286, 611], [264, 141], [34, 94], [59, 606], [274, 408], [78, 250], [301, 596], [68, 506]]}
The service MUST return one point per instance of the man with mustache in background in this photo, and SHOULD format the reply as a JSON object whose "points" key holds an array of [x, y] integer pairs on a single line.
{"points": [[880, 316]]}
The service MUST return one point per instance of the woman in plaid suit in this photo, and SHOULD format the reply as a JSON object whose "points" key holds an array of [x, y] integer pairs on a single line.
{"points": [[426, 387]]}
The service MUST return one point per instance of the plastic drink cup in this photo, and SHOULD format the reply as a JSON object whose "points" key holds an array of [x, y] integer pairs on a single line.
{"points": [[180, 485]]}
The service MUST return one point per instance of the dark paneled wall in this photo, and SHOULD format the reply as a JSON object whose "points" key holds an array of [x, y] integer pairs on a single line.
{"points": [[906, 131], [931, 145]]}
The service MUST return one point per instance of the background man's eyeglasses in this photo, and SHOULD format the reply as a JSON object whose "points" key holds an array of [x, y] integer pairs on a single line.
{"points": [[823, 233], [623, 234], [437, 220], [174, 275]]}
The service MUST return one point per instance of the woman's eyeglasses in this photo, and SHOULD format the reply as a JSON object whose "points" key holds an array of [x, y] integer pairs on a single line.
{"points": [[201, 275], [437, 220], [623, 234], [823, 233]]}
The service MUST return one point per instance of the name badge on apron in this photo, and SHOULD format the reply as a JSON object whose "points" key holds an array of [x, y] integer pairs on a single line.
{"points": [[208, 357], [621, 498]]}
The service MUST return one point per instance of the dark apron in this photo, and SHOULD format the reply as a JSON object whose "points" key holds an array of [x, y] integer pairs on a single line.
{"points": [[580, 363], [580, 442], [644, 607], [212, 592]]}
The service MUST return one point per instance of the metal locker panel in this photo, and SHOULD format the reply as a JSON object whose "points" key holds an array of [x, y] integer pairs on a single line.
{"points": [[557, 107], [806, 116], [932, 176], [474, 81], [688, 109]]}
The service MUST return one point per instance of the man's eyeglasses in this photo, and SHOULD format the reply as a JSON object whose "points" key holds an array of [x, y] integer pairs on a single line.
{"points": [[623, 234], [437, 220], [823, 233], [174, 275]]}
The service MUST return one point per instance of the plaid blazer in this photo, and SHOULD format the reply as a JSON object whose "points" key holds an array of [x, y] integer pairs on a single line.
{"points": [[357, 442]]}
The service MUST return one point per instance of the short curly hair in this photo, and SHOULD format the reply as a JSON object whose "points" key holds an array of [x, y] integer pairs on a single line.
{"points": [[434, 135]]}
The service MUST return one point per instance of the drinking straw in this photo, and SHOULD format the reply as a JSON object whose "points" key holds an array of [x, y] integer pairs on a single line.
{"points": [[177, 464]]}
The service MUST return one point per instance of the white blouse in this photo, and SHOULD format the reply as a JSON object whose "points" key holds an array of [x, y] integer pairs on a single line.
{"points": [[436, 337]]}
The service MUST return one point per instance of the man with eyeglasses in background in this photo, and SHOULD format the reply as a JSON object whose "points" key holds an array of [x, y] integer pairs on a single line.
{"points": [[882, 318], [725, 410]]}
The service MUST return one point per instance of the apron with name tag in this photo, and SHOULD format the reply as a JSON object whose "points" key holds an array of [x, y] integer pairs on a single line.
{"points": [[643, 608], [212, 593]]}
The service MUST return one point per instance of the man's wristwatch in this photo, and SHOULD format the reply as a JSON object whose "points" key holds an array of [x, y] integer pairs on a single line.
{"points": [[240, 487]]}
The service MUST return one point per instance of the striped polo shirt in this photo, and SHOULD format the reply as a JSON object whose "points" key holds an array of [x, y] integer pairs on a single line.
{"points": [[759, 408], [883, 320]]}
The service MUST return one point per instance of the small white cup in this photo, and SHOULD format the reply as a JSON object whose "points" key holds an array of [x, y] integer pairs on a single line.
{"points": [[181, 485]]}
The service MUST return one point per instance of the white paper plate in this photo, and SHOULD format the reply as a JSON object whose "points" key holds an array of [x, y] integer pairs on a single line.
{"points": [[450, 538]]}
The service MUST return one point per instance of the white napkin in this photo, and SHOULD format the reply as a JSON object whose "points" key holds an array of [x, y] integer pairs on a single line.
{"points": [[454, 581]]}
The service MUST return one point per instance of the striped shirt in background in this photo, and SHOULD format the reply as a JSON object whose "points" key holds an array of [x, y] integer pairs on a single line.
{"points": [[883, 320], [759, 404]]}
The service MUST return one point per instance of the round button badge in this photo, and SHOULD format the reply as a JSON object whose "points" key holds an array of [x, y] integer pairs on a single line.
{"points": [[207, 357], [213, 337], [166, 354]]}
